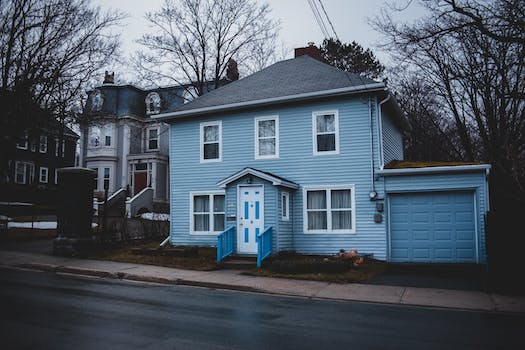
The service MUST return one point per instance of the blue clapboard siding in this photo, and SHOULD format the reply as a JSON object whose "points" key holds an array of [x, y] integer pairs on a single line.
{"points": [[452, 182], [296, 163], [392, 140]]}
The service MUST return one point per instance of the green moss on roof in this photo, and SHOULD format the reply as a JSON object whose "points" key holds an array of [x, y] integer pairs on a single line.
{"points": [[402, 164]]}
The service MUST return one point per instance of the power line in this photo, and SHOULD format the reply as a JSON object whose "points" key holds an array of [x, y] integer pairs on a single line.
{"points": [[318, 18], [328, 18]]}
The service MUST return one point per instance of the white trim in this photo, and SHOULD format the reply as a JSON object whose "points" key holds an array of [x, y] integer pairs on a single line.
{"points": [[26, 142], [273, 100], [328, 189], [285, 203], [239, 211], [476, 218], [250, 171], [210, 195], [436, 169], [56, 176], [40, 144], [41, 171], [315, 114], [28, 177], [201, 141], [148, 138], [275, 118]]}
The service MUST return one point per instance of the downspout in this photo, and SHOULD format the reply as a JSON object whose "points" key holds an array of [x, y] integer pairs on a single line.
{"points": [[380, 124], [372, 182]]}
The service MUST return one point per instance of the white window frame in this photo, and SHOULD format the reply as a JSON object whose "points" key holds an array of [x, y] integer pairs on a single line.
{"points": [[43, 171], [210, 195], [43, 142], [26, 177], [25, 144], [256, 137], [148, 138], [56, 177], [328, 190], [285, 204], [201, 132], [335, 112]]}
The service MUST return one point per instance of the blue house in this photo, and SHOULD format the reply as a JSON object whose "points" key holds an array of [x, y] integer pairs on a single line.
{"points": [[304, 157]]}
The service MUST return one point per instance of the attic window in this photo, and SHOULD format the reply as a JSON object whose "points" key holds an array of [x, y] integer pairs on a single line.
{"points": [[96, 101], [153, 103]]}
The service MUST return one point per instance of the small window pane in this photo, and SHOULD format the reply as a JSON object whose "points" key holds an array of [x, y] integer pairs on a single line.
{"points": [[316, 199], [326, 123], [211, 133], [326, 142], [267, 147], [201, 204], [152, 144], [266, 128], [341, 199], [284, 205], [342, 220], [108, 141], [201, 222], [218, 203], [317, 220], [211, 151], [218, 222]]}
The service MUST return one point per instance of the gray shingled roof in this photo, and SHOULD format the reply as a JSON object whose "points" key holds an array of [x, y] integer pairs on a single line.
{"points": [[285, 78]]}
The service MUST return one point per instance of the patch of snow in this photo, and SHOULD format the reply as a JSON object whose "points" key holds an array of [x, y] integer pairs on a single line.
{"points": [[156, 216], [17, 203]]}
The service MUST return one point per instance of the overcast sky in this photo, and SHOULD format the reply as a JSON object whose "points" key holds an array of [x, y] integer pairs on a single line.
{"points": [[298, 24]]}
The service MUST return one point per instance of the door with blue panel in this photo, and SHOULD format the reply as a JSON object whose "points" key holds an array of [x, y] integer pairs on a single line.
{"points": [[436, 227], [251, 218]]}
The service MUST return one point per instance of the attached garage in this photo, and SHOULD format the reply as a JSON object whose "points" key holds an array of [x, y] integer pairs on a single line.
{"points": [[438, 227], [436, 214]]}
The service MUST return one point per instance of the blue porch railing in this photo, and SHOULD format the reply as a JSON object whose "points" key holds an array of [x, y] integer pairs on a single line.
{"points": [[264, 245], [225, 243]]}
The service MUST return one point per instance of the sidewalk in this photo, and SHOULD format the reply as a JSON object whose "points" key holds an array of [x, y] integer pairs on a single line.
{"points": [[234, 280]]}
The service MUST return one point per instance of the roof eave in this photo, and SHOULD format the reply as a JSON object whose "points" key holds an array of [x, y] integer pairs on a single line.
{"points": [[250, 171], [267, 101], [435, 170]]}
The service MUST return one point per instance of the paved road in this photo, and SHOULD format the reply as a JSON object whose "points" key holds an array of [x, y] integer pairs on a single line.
{"points": [[42, 310]]}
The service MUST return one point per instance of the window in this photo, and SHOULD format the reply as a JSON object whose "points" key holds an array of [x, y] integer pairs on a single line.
{"points": [[107, 132], [43, 144], [153, 139], [22, 142], [211, 140], [207, 212], [33, 145], [153, 103], [329, 209], [285, 206], [189, 94], [325, 127], [43, 175], [267, 137], [95, 187], [96, 101], [106, 177], [24, 172], [56, 177]]}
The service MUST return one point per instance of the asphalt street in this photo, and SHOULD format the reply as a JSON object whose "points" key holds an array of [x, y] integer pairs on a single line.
{"points": [[41, 310]]}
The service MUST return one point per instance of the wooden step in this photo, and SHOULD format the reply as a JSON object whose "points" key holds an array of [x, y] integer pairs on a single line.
{"points": [[239, 263]]}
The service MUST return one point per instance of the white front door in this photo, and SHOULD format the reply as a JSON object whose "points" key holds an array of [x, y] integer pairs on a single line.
{"points": [[251, 218]]}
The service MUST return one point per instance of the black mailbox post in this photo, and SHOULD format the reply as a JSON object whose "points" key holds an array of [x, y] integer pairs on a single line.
{"points": [[74, 211]]}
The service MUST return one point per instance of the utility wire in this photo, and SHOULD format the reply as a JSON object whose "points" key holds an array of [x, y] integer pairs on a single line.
{"points": [[318, 18], [328, 18]]}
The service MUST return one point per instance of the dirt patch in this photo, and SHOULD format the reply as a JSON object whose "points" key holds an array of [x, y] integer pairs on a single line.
{"points": [[30, 233], [319, 268], [203, 260]]}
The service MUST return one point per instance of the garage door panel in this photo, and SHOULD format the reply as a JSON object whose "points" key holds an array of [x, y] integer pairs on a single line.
{"points": [[432, 227]]}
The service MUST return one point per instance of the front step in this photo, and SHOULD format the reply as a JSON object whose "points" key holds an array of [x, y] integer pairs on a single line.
{"points": [[239, 262]]}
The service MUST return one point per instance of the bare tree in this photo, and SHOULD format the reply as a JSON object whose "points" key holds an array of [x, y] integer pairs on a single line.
{"points": [[50, 50], [476, 70], [193, 40]]}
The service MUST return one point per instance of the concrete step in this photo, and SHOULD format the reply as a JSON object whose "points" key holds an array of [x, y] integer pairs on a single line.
{"points": [[239, 263]]}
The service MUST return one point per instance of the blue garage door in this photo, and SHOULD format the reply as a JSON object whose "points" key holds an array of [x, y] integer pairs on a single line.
{"points": [[432, 227]]}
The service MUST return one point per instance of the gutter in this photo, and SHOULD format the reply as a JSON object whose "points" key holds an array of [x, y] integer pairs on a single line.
{"points": [[436, 170], [272, 100]]}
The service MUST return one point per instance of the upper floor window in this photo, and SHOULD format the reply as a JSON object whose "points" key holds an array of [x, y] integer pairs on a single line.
{"points": [[43, 144], [211, 141], [329, 209], [97, 134], [153, 139], [267, 137], [44, 175], [96, 100], [24, 172], [23, 141], [153, 103], [325, 130]]}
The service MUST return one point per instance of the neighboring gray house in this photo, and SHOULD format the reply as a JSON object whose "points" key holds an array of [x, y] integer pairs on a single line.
{"points": [[120, 140]]}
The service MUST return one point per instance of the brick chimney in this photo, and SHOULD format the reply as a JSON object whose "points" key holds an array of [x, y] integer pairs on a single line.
{"points": [[109, 78], [311, 50]]}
